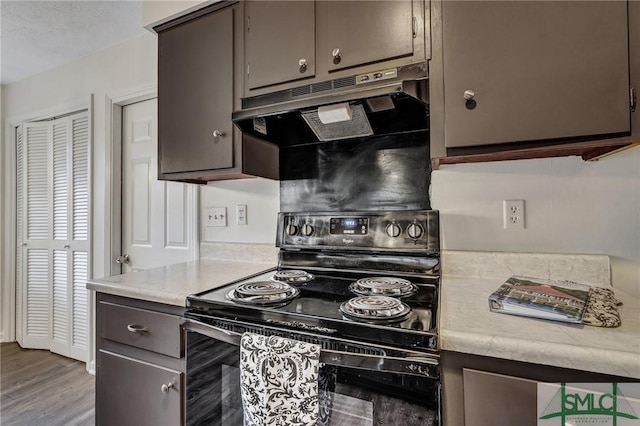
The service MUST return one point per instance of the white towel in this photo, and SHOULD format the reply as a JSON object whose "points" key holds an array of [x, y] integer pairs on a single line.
{"points": [[278, 381]]}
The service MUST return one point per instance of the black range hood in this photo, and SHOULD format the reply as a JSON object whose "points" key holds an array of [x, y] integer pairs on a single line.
{"points": [[389, 101]]}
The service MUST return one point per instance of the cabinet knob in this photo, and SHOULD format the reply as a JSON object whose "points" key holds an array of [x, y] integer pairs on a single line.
{"points": [[137, 328], [303, 64], [469, 99], [165, 388], [217, 133], [336, 56]]}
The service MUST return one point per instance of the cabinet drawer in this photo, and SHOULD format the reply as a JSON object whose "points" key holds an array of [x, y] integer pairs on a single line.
{"points": [[144, 329], [132, 392]]}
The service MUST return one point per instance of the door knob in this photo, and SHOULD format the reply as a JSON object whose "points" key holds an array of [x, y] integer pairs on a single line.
{"points": [[217, 133], [122, 259]]}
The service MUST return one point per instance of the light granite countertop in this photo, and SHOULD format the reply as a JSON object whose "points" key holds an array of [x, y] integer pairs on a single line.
{"points": [[465, 323], [467, 326], [173, 283]]}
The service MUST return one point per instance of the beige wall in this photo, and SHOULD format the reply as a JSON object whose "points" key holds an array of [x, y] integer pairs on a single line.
{"points": [[571, 206], [262, 198]]}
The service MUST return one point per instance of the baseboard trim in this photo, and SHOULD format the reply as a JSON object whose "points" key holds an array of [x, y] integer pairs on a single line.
{"points": [[91, 367]]}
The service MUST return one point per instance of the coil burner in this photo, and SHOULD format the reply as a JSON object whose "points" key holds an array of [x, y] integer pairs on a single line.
{"points": [[375, 308], [263, 293], [293, 276], [383, 286]]}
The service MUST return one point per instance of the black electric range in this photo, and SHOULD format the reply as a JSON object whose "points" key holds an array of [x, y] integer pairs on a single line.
{"points": [[364, 276]]}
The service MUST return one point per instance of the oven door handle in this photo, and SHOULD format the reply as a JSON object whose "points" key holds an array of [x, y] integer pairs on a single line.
{"points": [[210, 331], [415, 364]]}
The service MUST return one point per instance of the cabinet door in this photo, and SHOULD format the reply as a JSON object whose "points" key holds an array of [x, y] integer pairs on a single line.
{"points": [[498, 400], [539, 70], [356, 33], [279, 42], [130, 392], [195, 94]]}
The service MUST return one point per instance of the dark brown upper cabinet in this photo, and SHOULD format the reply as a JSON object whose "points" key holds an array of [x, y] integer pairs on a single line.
{"points": [[354, 33], [286, 42], [279, 42], [197, 92], [531, 79]]}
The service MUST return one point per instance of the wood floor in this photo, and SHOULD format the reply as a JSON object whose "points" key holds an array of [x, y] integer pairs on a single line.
{"points": [[41, 388]]}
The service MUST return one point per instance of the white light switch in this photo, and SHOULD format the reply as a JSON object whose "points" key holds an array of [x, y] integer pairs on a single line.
{"points": [[241, 214], [216, 216]]}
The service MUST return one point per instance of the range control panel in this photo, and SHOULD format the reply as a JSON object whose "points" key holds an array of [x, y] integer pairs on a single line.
{"points": [[392, 230]]}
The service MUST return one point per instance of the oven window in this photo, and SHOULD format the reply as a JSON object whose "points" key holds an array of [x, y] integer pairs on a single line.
{"points": [[347, 397]]}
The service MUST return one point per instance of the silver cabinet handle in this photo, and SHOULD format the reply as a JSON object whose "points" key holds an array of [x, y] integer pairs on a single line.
{"points": [[217, 133], [67, 246], [303, 64], [137, 328], [336, 56], [165, 388], [469, 95]]}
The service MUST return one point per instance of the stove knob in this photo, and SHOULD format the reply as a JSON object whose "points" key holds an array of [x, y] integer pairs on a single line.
{"points": [[414, 231], [307, 230], [393, 230], [292, 229]]}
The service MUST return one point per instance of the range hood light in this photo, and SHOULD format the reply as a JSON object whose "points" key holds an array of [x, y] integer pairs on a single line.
{"points": [[335, 113]]}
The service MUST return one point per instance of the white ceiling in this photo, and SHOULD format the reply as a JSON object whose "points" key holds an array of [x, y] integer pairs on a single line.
{"points": [[40, 35]]}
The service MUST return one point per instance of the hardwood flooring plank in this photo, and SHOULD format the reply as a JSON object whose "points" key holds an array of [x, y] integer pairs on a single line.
{"points": [[38, 387]]}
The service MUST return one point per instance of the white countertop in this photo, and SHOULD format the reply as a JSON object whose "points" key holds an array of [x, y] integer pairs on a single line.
{"points": [[467, 326], [173, 283]]}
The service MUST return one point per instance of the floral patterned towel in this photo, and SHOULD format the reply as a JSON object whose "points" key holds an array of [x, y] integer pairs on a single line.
{"points": [[278, 381], [601, 309]]}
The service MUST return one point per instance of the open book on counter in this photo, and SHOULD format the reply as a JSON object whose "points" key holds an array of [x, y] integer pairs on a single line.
{"points": [[541, 298]]}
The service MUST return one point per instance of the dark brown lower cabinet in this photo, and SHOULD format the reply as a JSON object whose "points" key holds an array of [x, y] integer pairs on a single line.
{"points": [[133, 392], [485, 391], [512, 400], [140, 364]]}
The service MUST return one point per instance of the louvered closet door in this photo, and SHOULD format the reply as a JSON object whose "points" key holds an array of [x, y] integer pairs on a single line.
{"points": [[79, 238], [36, 294], [55, 220], [19, 227]]}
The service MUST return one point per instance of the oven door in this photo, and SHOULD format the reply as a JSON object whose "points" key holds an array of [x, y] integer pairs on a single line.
{"points": [[358, 385]]}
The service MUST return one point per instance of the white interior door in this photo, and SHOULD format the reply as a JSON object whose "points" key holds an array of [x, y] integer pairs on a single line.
{"points": [[159, 220], [53, 235]]}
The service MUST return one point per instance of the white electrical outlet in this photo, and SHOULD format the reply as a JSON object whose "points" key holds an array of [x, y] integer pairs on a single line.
{"points": [[241, 214], [216, 216], [513, 214]]}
